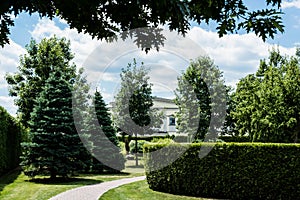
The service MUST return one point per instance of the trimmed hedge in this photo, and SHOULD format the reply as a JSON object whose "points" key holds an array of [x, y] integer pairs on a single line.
{"points": [[229, 171], [10, 138]]}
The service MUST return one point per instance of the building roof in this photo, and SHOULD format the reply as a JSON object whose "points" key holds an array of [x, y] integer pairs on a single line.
{"points": [[160, 99]]}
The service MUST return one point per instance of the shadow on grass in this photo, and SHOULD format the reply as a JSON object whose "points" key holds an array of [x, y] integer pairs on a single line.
{"points": [[9, 177], [74, 180], [134, 166], [65, 181]]}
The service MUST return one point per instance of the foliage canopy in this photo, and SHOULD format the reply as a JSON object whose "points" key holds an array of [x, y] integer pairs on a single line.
{"points": [[201, 99], [55, 147], [104, 18], [267, 103], [35, 67]]}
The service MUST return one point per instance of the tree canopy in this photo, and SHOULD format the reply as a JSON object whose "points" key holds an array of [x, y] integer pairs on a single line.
{"points": [[201, 99], [35, 67], [132, 111], [104, 18], [106, 150], [267, 103], [55, 147]]}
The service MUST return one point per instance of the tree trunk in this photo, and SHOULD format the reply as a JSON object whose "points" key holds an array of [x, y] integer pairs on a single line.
{"points": [[136, 152], [52, 175], [127, 148]]}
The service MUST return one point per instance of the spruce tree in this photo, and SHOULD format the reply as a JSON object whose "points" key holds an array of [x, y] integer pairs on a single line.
{"points": [[106, 151], [55, 148]]}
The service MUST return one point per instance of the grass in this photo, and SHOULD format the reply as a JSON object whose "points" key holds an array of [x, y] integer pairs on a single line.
{"points": [[130, 166], [17, 186], [8, 178], [140, 190]]}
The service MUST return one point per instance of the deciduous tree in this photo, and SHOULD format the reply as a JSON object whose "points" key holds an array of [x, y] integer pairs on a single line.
{"points": [[268, 102], [201, 97], [133, 112], [103, 18], [34, 69]]}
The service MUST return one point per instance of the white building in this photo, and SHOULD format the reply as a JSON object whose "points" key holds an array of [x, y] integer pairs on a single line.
{"points": [[169, 108]]}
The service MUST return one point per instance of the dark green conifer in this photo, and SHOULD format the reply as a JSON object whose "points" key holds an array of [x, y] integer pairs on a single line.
{"points": [[106, 151], [55, 148]]}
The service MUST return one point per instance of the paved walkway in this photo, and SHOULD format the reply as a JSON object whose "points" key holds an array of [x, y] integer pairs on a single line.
{"points": [[94, 192]]}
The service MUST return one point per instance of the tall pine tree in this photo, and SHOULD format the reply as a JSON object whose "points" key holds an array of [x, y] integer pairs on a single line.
{"points": [[106, 151], [55, 148]]}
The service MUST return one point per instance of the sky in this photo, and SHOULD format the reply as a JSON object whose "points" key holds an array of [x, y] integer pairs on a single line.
{"points": [[236, 55]]}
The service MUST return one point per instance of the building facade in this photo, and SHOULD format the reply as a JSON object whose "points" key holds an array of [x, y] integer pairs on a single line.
{"points": [[169, 109]]}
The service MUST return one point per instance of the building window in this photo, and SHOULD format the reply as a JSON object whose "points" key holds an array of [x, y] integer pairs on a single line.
{"points": [[171, 121]]}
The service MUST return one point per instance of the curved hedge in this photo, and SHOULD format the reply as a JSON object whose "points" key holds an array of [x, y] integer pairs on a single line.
{"points": [[230, 170], [10, 138]]}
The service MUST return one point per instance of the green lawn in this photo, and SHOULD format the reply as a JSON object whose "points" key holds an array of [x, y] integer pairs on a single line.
{"points": [[140, 190], [17, 186], [130, 166]]}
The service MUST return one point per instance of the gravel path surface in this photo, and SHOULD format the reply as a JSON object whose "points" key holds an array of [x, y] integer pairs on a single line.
{"points": [[94, 192]]}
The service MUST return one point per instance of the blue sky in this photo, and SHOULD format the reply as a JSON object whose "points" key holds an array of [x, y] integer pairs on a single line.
{"points": [[236, 55]]}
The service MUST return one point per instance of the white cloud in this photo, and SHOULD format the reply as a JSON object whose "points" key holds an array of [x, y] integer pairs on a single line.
{"points": [[9, 57], [81, 44], [9, 60], [96, 76], [236, 55], [291, 4], [8, 104]]}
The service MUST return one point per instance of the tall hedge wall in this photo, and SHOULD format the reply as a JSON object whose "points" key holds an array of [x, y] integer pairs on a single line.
{"points": [[10, 138], [229, 171]]}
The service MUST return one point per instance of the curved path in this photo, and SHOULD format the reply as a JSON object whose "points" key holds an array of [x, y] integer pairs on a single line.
{"points": [[94, 192]]}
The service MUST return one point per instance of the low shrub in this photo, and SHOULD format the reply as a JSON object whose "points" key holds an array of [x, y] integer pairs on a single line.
{"points": [[140, 146], [162, 141], [181, 138], [229, 171]]}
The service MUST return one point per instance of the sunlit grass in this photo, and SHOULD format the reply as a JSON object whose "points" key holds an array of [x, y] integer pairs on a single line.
{"points": [[140, 190], [17, 186]]}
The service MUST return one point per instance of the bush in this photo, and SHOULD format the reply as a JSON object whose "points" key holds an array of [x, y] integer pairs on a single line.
{"points": [[181, 138], [235, 138], [162, 140], [10, 139], [229, 171], [140, 146]]}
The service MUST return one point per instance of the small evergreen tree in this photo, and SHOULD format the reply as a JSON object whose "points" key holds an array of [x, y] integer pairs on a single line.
{"points": [[55, 148], [107, 155]]}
